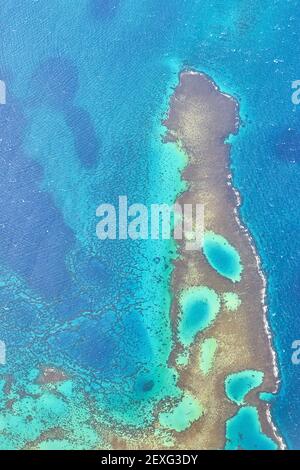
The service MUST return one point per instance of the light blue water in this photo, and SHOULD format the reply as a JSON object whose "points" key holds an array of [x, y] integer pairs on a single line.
{"points": [[239, 384], [222, 256], [244, 432], [199, 306], [87, 83]]}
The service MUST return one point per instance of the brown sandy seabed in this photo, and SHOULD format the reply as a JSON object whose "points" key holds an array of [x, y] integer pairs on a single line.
{"points": [[200, 120]]}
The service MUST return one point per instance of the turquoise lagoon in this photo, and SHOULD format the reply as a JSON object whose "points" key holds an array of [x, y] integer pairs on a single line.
{"points": [[239, 384], [244, 432], [199, 308], [222, 256]]}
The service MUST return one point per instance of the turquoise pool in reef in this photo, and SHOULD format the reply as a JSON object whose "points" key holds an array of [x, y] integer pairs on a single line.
{"points": [[199, 307], [244, 431], [238, 385], [231, 301], [182, 415], [222, 256]]}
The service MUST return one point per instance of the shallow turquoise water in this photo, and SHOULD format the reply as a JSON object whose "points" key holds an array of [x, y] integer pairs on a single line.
{"points": [[183, 415], [238, 385], [231, 301], [222, 256], [199, 308], [243, 432]]}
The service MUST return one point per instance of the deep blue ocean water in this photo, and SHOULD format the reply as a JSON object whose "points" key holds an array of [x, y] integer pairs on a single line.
{"points": [[87, 85]]}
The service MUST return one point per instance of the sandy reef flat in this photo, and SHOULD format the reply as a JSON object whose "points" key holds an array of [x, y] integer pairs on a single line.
{"points": [[200, 120]]}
